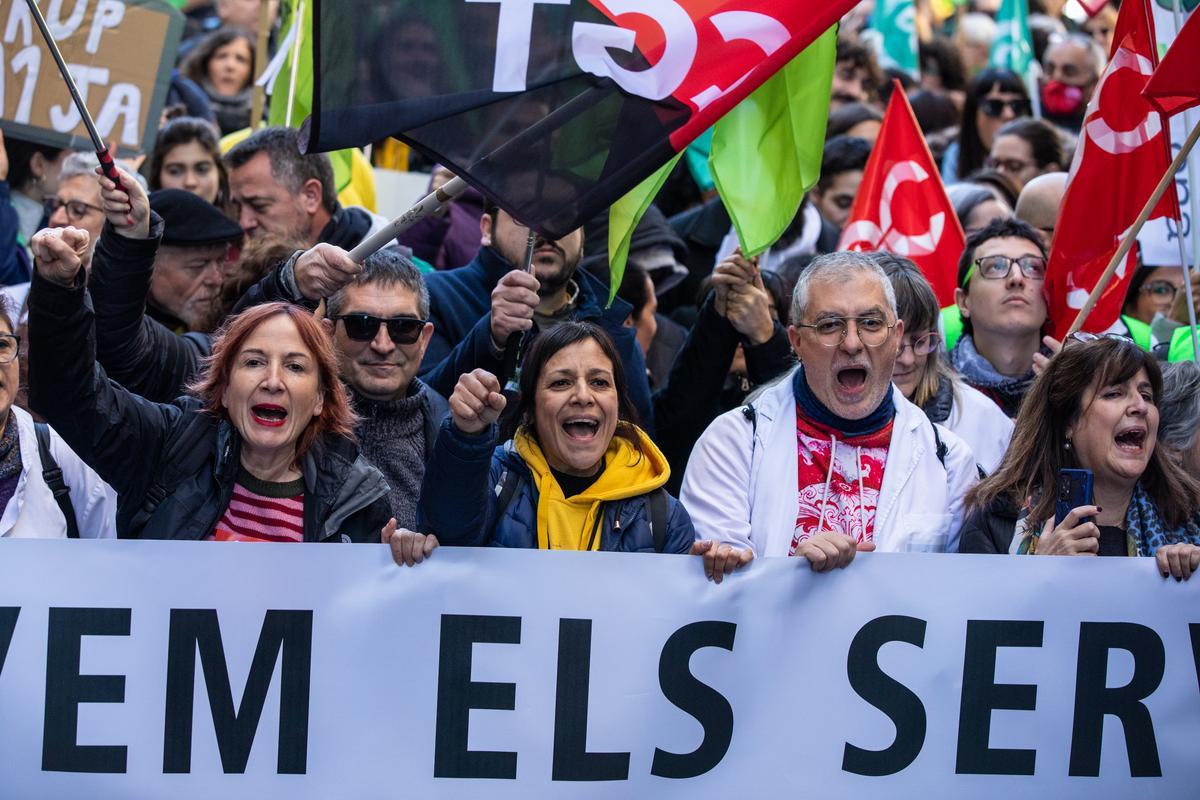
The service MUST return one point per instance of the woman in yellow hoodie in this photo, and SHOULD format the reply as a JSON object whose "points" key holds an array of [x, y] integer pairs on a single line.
{"points": [[577, 475]]}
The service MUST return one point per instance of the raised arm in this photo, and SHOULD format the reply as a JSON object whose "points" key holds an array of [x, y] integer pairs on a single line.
{"points": [[456, 502], [118, 434]]}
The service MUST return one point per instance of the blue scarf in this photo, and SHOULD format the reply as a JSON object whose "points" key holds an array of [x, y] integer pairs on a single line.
{"points": [[815, 411], [1147, 530]]}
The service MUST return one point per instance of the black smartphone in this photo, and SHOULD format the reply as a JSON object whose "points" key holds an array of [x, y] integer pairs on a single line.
{"points": [[1074, 490]]}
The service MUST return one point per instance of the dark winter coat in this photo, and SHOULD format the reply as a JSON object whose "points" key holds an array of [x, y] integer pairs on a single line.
{"points": [[459, 501], [989, 530], [173, 466]]}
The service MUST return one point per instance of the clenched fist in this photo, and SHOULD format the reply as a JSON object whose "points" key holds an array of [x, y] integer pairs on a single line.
{"points": [[58, 253], [476, 401]]}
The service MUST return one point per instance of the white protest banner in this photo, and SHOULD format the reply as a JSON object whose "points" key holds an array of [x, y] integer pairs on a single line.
{"points": [[120, 53], [196, 670]]}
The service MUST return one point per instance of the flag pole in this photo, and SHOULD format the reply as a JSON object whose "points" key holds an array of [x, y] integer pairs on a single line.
{"points": [[512, 348], [428, 205], [261, 57], [1127, 243], [102, 151], [1187, 272]]}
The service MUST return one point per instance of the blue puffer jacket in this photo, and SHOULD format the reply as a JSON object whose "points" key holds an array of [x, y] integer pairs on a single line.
{"points": [[459, 501]]}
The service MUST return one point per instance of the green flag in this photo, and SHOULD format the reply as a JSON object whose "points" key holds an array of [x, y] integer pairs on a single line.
{"points": [[894, 32], [1012, 48], [623, 217], [766, 152], [291, 98]]}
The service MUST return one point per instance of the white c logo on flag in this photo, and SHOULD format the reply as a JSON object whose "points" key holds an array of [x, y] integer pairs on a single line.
{"points": [[590, 42], [866, 235], [767, 32], [1119, 142]]}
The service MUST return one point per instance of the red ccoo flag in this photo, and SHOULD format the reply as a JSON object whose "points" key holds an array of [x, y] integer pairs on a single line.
{"points": [[902, 206], [1175, 85], [1121, 155]]}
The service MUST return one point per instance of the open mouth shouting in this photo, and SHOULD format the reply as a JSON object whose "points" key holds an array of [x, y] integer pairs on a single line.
{"points": [[851, 379], [1132, 440], [268, 415], [581, 429]]}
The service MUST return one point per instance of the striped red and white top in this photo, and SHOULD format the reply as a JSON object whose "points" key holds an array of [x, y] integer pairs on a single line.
{"points": [[261, 511]]}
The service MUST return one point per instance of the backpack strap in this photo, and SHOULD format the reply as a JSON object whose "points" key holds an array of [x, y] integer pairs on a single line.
{"points": [[940, 445], [53, 476], [656, 503], [506, 491]]}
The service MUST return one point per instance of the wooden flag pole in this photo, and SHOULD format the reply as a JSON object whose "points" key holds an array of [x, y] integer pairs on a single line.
{"points": [[258, 93], [1131, 237]]}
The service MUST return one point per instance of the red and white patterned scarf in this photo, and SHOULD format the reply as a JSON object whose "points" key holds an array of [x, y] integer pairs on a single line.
{"points": [[839, 480]]}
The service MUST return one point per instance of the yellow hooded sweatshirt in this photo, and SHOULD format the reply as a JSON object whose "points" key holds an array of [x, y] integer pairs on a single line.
{"points": [[572, 523]]}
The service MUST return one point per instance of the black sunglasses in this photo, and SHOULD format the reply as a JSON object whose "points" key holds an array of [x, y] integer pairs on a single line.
{"points": [[364, 327], [994, 107]]}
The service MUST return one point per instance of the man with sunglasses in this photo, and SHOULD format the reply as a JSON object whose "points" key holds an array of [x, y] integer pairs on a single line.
{"points": [[380, 327], [833, 458], [1000, 297]]}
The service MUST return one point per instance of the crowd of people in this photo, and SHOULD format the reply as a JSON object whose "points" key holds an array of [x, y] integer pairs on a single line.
{"points": [[193, 354]]}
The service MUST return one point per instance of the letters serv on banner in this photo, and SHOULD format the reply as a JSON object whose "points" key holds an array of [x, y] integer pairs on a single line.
{"points": [[120, 53], [181, 669]]}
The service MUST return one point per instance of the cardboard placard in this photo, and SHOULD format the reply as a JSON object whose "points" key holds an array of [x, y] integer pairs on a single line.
{"points": [[120, 53]]}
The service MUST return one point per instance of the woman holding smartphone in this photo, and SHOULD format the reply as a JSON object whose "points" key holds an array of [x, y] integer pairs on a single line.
{"points": [[1095, 408]]}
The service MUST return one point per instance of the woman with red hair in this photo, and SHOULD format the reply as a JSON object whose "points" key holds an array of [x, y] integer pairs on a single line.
{"points": [[263, 450]]}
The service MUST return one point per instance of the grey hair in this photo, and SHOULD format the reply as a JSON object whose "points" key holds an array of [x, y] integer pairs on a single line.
{"points": [[1083, 42], [1179, 407], [83, 164], [385, 269], [79, 164], [834, 267]]}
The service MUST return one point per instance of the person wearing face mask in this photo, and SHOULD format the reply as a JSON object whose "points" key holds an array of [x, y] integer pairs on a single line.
{"points": [[1094, 407], [1071, 66], [832, 458], [578, 473], [923, 376]]}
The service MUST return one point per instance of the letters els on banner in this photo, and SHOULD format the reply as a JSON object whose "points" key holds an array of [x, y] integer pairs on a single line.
{"points": [[120, 53], [192, 670]]}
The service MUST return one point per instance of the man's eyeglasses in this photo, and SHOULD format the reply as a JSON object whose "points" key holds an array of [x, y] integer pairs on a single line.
{"points": [[10, 345], [831, 331], [998, 268], [1162, 290], [77, 210], [922, 345], [365, 327], [994, 107]]}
